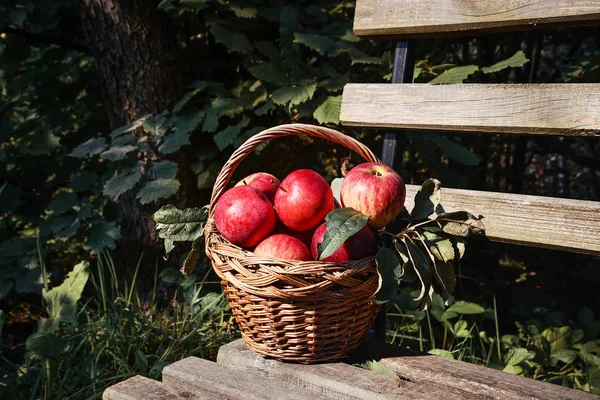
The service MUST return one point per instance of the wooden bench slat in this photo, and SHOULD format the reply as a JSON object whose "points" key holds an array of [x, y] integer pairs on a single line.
{"points": [[557, 223], [423, 18], [541, 109], [217, 381], [477, 381], [338, 380], [141, 388]]}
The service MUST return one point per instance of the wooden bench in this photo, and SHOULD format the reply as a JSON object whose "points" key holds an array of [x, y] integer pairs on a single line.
{"points": [[239, 373], [524, 109]]}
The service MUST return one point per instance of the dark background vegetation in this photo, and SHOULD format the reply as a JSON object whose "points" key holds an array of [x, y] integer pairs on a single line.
{"points": [[110, 109]]}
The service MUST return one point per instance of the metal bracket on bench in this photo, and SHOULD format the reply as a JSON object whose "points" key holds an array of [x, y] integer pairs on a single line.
{"points": [[404, 65]]}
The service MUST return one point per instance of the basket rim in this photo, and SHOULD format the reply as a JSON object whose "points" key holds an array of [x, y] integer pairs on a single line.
{"points": [[283, 130]]}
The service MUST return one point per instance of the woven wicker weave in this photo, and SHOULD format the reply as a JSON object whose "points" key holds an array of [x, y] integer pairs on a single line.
{"points": [[301, 311]]}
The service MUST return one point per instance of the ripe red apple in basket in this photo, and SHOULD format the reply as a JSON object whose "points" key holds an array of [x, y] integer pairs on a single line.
{"points": [[375, 190], [303, 200], [304, 236], [283, 246], [360, 245], [262, 181], [244, 216]]}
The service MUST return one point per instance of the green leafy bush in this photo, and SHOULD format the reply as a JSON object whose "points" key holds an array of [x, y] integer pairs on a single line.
{"points": [[550, 347]]}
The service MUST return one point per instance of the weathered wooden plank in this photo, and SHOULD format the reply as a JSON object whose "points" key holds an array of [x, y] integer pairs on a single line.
{"points": [[479, 382], [541, 109], [217, 381], [335, 380], [423, 18], [565, 224], [141, 388]]}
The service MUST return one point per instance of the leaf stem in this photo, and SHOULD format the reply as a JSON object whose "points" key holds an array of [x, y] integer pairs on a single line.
{"points": [[497, 329]]}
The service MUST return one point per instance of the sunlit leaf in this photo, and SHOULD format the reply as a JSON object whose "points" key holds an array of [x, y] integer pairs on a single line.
{"points": [[118, 152], [441, 353], [61, 301], [243, 12], [329, 110], [566, 356], [180, 225], [517, 60], [455, 75], [379, 368], [516, 355], [293, 95], [90, 148], [465, 307]]}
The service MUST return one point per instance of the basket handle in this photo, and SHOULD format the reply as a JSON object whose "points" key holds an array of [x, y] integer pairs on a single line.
{"points": [[280, 131]]}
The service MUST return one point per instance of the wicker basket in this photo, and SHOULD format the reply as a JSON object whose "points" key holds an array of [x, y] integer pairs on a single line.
{"points": [[301, 311]]}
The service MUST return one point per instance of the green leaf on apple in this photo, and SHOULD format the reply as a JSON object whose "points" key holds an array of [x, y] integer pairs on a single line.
{"points": [[427, 200], [389, 269], [342, 224]]}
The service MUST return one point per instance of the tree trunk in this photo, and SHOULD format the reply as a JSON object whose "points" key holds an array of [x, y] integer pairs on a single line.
{"points": [[141, 72]]}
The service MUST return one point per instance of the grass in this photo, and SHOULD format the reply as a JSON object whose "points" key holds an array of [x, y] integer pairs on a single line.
{"points": [[550, 346], [118, 334]]}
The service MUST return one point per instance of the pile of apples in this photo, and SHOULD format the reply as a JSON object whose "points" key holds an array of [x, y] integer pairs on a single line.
{"points": [[286, 220]]}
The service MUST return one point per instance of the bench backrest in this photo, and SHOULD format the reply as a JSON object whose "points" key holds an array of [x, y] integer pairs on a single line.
{"points": [[532, 109]]}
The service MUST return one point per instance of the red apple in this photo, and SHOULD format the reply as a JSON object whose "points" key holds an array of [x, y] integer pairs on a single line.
{"points": [[362, 244], [244, 216], [375, 190], [303, 200], [262, 181], [283, 246]]}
